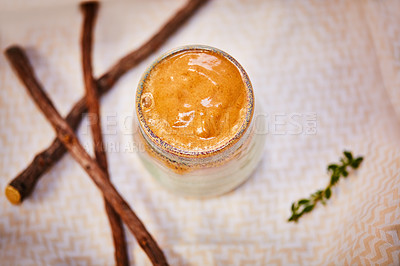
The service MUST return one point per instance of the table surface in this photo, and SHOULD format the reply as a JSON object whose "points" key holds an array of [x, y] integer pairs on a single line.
{"points": [[332, 67]]}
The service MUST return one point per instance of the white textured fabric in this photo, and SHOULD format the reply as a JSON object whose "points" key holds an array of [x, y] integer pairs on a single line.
{"points": [[333, 66]]}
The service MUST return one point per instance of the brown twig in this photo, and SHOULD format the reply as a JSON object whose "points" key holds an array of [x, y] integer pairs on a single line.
{"points": [[89, 10], [22, 185], [133, 58], [66, 135]]}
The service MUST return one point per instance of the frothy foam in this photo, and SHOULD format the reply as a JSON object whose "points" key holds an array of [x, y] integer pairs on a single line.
{"points": [[194, 100]]}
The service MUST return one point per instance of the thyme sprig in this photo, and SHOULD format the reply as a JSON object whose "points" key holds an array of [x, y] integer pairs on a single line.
{"points": [[336, 170]]}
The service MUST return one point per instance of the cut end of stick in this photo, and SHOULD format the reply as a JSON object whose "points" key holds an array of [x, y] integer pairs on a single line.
{"points": [[13, 195], [89, 4], [11, 49]]}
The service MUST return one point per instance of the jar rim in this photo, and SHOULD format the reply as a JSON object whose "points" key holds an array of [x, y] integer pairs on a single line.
{"points": [[159, 143]]}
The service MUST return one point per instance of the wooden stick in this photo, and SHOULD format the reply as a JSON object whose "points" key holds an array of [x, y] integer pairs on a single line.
{"points": [[23, 184], [66, 135], [89, 10], [155, 42]]}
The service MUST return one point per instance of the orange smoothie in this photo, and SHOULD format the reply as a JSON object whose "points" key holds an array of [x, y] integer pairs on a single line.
{"points": [[194, 100]]}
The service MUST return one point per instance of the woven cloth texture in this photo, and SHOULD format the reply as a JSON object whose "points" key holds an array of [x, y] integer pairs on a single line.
{"points": [[332, 66]]}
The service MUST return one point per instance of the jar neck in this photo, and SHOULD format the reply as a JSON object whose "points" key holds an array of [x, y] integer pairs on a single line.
{"points": [[193, 161]]}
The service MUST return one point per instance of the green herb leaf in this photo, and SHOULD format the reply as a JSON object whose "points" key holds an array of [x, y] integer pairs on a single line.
{"points": [[308, 208], [356, 163], [293, 218], [345, 173], [337, 170], [334, 178], [328, 193], [303, 201], [348, 155], [332, 167]]}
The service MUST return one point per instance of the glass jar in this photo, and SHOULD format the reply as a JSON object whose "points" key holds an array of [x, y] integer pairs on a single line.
{"points": [[204, 173]]}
